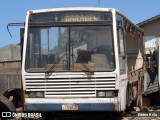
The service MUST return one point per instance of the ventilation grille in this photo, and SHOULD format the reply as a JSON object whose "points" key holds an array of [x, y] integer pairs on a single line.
{"points": [[70, 87]]}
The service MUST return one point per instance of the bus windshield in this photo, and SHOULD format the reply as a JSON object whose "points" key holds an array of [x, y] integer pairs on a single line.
{"points": [[63, 46]]}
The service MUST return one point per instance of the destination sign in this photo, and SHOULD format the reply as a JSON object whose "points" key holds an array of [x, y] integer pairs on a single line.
{"points": [[80, 18], [75, 16]]}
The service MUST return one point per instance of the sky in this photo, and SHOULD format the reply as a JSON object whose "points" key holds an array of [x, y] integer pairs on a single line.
{"points": [[13, 11]]}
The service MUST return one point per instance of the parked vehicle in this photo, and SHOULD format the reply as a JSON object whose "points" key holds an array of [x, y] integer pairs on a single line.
{"points": [[81, 59]]}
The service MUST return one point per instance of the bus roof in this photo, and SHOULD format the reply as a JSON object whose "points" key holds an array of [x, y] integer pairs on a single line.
{"points": [[61, 9], [72, 9]]}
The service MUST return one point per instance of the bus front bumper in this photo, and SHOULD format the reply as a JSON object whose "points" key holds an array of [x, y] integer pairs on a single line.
{"points": [[77, 104]]}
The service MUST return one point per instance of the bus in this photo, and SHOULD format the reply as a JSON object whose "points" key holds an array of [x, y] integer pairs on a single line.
{"points": [[81, 59]]}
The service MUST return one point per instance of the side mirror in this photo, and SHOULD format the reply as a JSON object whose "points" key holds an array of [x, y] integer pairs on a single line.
{"points": [[21, 40]]}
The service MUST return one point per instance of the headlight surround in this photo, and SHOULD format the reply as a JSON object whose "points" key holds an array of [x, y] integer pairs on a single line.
{"points": [[107, 94], [36, 94]]}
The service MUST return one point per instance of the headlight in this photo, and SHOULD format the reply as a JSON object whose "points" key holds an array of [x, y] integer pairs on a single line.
{"points": [[101, 94], [33, 94], [107, 94]]}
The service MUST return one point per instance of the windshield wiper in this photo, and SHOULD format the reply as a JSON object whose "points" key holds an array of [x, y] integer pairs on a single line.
{"points": [[85, 66], [54, 65], [82, 64]]}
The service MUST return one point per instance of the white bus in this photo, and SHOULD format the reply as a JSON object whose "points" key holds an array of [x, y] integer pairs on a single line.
{"points": [[81, 59]]}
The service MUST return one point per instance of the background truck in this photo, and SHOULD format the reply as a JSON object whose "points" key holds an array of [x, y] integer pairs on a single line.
{"points": [[152, 76]]}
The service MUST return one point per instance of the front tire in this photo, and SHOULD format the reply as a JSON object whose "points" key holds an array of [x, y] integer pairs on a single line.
{"points": [[6, 105]]}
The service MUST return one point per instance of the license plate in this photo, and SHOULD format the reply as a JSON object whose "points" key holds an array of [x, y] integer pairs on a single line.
{"points": [[70, 107]]}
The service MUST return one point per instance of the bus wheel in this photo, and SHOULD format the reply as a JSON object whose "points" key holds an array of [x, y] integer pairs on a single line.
{"points": [[14, 96], [6, 105]]}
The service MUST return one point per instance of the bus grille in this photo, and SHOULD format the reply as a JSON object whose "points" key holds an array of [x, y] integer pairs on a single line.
{"points": [[70, 87]]}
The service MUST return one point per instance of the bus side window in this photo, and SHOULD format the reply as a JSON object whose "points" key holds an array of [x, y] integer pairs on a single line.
{"points": [[121, 49]]}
